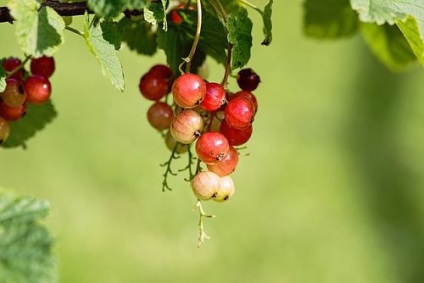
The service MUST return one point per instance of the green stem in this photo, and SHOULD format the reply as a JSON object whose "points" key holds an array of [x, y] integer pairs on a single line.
{"points": [[168, 169], [247, 3], [196, 38], [227, 66], [202, 214], [75, 31], [14, 71]]}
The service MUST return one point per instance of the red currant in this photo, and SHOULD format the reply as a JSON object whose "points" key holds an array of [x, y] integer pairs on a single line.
{"points": [[14, 95], [38, 89], [227, 165], [212, 147], [248, 95], [214, 97], [4, 130], [236, 136], [160, 115], [188, 90], [239, 113], [11, 64], [43, 66], [186, 126], [12, 113], [153, 87], [160, 70], [247, 79], [205, 185]]}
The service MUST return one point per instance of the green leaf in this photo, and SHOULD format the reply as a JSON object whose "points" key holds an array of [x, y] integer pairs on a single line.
{"points": [[37, 117], [38, 31], [3, 76], [389, 45], [101, 40], [409, 28], [330, 19], [25, 244], [176, 46], [266, 17], [239, 28], [390, 11], [112, 8], [154, 13], [139, 36]]}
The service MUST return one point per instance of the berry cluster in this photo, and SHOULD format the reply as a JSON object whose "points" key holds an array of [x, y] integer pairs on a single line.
{"points": [[22, 88], [206, 114]]}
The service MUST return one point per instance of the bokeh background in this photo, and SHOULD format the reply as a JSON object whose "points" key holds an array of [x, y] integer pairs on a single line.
{"points": [[330, 188]]}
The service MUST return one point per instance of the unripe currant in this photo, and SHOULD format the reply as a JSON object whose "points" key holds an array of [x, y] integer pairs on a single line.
{"points": [[43, 66], [227, 165], [14, 95], [186, 126], [160, 115], [188, 90], [205, 185], [236, 136], [4, 130], [247, 79], [225, 190], [212, 147], [239, 113], [214, 97], [38, 89]]}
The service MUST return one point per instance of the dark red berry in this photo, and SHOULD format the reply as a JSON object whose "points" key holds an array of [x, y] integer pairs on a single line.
{"points": [[160, 115], [214, 97], [12, 113], [239, 113], [153, 87], [43, 66], [212, 147], [38, 89], [11, 64], [188, 90], [174, 17], [234, 136], [162, 71], [247, 79]]}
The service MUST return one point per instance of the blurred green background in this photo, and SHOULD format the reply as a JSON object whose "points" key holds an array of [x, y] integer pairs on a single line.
{"points": [[332, 189]]}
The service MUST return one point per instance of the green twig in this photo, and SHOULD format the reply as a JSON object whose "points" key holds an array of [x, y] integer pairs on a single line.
{"points": [[202, 214], [167, 164], [71, 29], [14, 71], [256, 8]]}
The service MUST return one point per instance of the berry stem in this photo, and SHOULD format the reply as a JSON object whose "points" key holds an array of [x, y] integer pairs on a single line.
{"points": [[196, 38], [227, 66], [202, 214], [168, 168], [256, 8], [217, 6], [14, 71], [71, 29]]}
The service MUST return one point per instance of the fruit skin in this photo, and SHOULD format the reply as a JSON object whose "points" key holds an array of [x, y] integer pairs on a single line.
{"points": [[4, 130], [14, 95], [170, 144], [186, 126], [225, 189], [12, 113], [248, 95], [205, 185], [214, 97], [212, 147], [161, 71], [11, 64], [188, 90], [227, 165], [160, 115], [236, 136], [43, 66], [247, 79], [38, 89], [153, 87], [239, 113]]}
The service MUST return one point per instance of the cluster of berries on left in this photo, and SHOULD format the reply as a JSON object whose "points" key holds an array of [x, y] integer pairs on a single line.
{"points": [[23, 87]]}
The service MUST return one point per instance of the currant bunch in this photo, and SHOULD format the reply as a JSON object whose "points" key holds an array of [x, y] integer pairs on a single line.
{"points": [[23, 87], [189, 110]]}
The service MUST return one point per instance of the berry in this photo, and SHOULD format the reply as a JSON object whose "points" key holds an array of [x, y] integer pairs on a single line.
{"points": [[186, 126], [43, 66], [235, 136], [38, 89], [214, 97], [160, 115], [170, 144], [14, 95], [188, 90], [11, 64], [174, 17], [212, 147], [153, 87], [239, 113], [205, 185], [4, 130], [247, 79], [12, 113], [227, 165], [225, 190], [248, 95], [162, 71]]}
